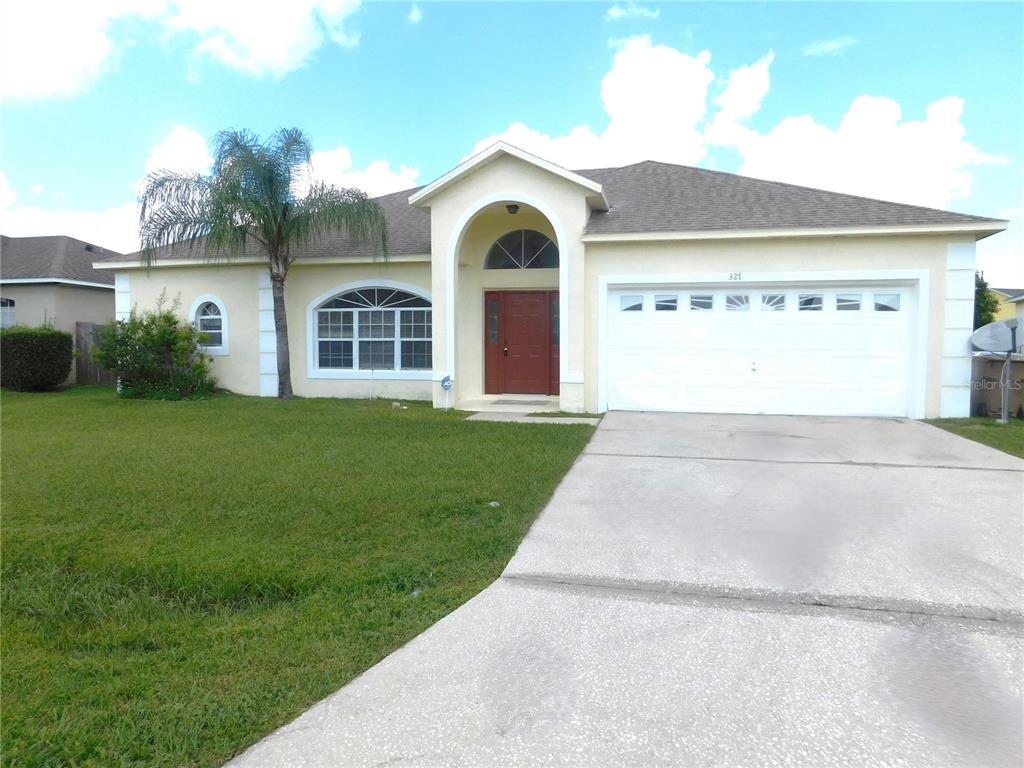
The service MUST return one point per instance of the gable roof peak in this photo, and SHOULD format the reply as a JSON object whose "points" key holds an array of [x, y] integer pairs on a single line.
{"points": [[595, 193]]}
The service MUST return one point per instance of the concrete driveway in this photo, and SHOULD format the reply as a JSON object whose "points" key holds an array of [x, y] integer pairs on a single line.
{"points": [[723, 590]]}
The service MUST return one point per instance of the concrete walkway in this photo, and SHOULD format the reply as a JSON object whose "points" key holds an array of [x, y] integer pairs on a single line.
{"points": [[722, 590]]}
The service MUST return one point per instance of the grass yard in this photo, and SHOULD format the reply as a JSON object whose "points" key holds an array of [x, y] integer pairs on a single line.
{"points": [[179, 579], [1006, 437]]}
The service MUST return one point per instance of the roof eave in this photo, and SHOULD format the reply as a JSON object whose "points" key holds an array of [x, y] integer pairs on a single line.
{"points": [[595, 192], [979, 229]]}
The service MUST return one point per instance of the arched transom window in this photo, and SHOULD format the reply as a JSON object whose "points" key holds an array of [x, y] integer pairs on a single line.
{"points": [[522, 249], [210, 321], [381, 329]]}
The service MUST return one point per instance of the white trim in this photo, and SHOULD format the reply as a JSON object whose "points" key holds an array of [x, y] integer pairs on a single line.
{"points": [[957, 326], [267, 335], [566, 256], [987, 228], [922, 278], [122, 296], [222, 349], [492, 153], [61, 281], [249, 261], [313, 372]]}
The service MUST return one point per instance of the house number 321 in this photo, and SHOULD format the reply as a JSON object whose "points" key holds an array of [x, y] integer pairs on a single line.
{"points": [[735, 275]]}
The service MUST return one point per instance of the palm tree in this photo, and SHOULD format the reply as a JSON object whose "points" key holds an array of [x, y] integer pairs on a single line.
{"points": [[251, 201]]}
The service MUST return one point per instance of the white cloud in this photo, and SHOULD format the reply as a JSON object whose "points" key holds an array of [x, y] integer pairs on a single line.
{"points": [[35, 189], [114, 228], [655, 97], [262, 39], [334, 166], [832, 47], [873, 152], [52, 50], [183, 151], [631, 11], [745, 89], [1001, 257], [58, 49], [415, 15]]}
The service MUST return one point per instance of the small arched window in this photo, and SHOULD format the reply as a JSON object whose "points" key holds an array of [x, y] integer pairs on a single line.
{"points": [[374, 329], [522, 249], [210, 321], [6, 313]]}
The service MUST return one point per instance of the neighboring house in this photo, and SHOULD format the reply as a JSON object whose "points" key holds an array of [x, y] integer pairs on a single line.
{"points": [[51, 281], [1017, 304], [1007, 296], [651, 286]]}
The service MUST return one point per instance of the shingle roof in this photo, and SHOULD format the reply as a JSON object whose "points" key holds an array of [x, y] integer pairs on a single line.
{"points": [[661, 197], [54, 257], [1009, 293]]}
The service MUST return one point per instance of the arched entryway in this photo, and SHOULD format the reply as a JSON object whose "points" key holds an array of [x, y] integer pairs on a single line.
{"points": [[507, 299]]}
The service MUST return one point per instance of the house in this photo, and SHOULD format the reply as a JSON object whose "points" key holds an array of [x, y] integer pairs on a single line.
{"points": [[651, 286], [51, 281], [1007, 297]]}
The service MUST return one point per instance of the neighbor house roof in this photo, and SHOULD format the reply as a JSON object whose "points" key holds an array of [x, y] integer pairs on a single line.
{"points": [[53, 258], [1011, 294], [649, 198]]}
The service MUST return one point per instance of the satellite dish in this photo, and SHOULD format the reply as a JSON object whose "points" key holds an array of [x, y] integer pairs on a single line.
{"points": [[995, 337]]}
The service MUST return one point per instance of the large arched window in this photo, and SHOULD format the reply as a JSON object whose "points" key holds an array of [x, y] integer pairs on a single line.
{"points": [[374, 329], [522, 249]]}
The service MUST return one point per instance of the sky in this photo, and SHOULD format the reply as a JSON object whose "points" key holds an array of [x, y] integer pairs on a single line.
{"points": [[913, 102]]}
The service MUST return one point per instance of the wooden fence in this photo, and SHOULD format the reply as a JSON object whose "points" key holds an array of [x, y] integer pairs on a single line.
{"points": [[87, 370]]}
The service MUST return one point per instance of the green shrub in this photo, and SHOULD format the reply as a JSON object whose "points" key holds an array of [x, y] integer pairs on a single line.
{"points": [[34, 358], [156, 355]]}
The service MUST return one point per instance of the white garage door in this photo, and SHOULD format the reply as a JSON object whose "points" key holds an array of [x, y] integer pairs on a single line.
{"points": [[760, 349]]}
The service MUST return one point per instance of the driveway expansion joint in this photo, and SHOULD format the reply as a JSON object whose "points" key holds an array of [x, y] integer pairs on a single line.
{"points": [[814, 462], [759, 600]]}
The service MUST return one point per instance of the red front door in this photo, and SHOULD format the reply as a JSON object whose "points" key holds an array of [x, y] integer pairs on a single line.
{"points": [[521, 342]]}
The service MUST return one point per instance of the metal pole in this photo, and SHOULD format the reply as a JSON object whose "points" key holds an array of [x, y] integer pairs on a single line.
{"points": [[1004, 380]]}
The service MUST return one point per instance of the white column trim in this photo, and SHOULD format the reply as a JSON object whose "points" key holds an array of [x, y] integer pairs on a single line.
{"points": [[957, 326], [267, 334], [122, 295]]}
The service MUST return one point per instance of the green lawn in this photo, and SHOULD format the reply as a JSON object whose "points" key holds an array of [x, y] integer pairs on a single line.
{"points": [[1005, 437], [181, 578]]}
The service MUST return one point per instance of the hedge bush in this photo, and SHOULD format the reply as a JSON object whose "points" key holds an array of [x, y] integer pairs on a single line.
{"points": [[34, 358], [156, 355]]}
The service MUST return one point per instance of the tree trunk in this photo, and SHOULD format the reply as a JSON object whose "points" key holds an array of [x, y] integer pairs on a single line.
{"points": [[284, 366]]}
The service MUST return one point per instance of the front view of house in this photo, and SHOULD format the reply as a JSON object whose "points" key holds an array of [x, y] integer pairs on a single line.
{"points": [[646, 287]]}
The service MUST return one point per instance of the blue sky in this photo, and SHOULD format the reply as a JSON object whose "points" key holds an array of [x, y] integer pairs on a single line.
{"points": [[767, 89]]}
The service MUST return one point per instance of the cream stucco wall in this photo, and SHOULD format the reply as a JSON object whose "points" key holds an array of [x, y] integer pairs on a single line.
{"points": [[237, 287], [307, 282], [59, 305], [836, 254], [453, 240]]}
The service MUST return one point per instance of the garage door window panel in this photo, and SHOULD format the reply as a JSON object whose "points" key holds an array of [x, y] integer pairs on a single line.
{"points": [[811, 302], [631, 303], [848, 302], [737, 302], [887, 302], [702, 303], [666, 303], [773, 302]]}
